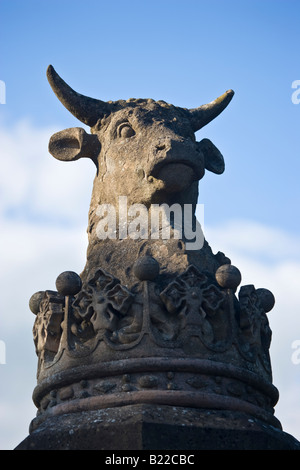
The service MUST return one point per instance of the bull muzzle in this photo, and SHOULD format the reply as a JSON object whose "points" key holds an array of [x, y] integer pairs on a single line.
{"points": [[186, 158]]}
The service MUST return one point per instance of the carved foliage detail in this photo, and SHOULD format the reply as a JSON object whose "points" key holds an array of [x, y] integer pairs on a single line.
{"points": [[194, 300], [255, 333], [47, 329], [193, 313], [111, 312], [100, 304]]}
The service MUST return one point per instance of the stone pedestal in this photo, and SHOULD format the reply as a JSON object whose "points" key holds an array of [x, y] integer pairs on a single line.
{"points": [[148, 427]]}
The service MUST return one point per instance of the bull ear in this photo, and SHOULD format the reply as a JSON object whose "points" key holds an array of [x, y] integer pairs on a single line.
{"points": [[214, 160], [74, 143]]}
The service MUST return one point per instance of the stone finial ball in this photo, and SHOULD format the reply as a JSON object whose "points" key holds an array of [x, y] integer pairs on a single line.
{"points": [[35, 301], [228, 276], [266, 298], [68, 283], [146, 268]]}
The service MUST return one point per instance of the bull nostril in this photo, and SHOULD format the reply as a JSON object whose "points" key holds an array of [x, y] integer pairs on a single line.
{"points": [[160, 147]]}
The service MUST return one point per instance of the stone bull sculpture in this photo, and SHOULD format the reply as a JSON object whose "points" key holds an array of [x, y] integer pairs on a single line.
{"points": [[152, 336], [144, 150]]}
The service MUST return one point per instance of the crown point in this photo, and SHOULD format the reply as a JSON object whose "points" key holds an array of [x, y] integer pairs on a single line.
{"points": [[35, 301], [266, 298], [228, 276], [146, 268], [68, 283]]}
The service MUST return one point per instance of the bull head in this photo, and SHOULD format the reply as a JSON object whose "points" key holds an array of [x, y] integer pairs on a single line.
{"points": [[143, 149]]}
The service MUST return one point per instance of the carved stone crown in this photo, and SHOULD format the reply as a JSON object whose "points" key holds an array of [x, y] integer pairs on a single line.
{"points": [[190, 341]]}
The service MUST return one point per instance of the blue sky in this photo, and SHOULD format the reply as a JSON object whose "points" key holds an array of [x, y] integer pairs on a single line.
{"points": [[186, 53]]}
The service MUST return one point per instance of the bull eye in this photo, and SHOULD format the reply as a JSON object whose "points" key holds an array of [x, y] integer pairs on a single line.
{"points": [[125, 131]]}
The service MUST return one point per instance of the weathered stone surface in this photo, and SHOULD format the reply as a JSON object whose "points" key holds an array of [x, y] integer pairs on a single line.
{"points": [[35, 301], [145, 427], [68, 283], [228, 276]]}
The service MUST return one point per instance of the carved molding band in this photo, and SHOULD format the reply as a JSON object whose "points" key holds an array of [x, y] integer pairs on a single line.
{"points": [[150, 365], [167, 397], [168, 381]]}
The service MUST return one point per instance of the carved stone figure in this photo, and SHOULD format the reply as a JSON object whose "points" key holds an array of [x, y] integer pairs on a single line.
{"points": [[144, 151], [153, 330]]}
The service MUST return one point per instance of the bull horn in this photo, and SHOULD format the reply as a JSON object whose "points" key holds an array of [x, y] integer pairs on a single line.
{"points": [[207, 112], [87, 110]]}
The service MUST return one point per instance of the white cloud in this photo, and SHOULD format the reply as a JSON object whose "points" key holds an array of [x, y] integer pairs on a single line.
{"points": [[32, 254], [36, 192], [269, 258], [34, 184], [247, 237], [31, 258]]}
